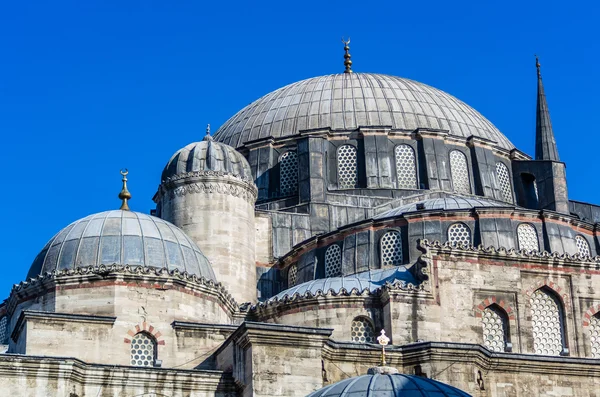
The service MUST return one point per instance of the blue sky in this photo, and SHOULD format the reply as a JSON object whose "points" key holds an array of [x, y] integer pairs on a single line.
{"points": [[89, 87]]}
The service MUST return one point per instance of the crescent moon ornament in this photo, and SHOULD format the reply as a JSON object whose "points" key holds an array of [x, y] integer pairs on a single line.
{"points": [[124, 172]]}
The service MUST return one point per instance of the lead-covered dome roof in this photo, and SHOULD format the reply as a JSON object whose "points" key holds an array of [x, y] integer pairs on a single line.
{"points": [[122, 237], [348, 100], [208, 155], [389, 385], [450, 203]]}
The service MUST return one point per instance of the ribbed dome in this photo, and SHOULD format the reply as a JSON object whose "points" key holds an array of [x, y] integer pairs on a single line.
{"points": [[207, 155], [122, 237], [349, 100], [446, 203], [370, 280], [389, 385]]}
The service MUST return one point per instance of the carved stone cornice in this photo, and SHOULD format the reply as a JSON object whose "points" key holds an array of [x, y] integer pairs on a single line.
{"points": [[467, 250], [211, 182], [51, 281]]}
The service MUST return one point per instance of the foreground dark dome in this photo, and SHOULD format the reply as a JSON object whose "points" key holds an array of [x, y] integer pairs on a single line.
{"points": [[389, 385]]}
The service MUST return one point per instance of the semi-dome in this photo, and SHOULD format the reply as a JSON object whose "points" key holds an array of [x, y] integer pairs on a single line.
{"points": [[370, 281], [389, 385], [208, 155], [450, 203], [347, 101], [122, 237]]}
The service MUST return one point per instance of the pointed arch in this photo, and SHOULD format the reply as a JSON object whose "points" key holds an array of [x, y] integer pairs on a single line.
{"points": [[347, 165], [363, 330], [459, 171], [288, 173], [406, 167], [495, 328], [547, 322]]}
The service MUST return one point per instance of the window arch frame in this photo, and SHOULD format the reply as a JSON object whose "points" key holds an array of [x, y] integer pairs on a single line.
{"points": [[365, 319], [4, 336], [508, 185], [537, 237], [153, 342], [281, 160], [501, 312], [398, 246], [415, 169], [579, 237], [594, 325], [292, 273], [562, 323], [326, 260], [459, 243], [338, 168], [454, 172]]}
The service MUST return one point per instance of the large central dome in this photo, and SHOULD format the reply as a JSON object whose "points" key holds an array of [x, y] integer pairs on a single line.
{"points": [[348, 100]]}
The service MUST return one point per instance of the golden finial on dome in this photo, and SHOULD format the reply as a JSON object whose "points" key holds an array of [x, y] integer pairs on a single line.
{"points": [[208, 137], [347, 56], [537, 65], [124, 194]]}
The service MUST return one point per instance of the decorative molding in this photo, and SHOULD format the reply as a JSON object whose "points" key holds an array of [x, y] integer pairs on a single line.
{"points": [[205, 173], [331, 293], [215, 187], [554, 287], [494, 253], [492, 300], [147, 328], [49, 280], [589, 313]]}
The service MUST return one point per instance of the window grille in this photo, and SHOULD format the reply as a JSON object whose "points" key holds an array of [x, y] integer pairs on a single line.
{"points": [[391, 249], [527, 238], [460, 172], [292, 275], [459, 233], [494, 329], [504, 182], [546, 317], [4, 330], [362, 331], [143, 350], [347, 167], [288, 173], [595, 335], [582, 246], [406, 167], [333, 261]]}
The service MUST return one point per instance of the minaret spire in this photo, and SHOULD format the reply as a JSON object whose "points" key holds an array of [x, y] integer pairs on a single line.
{"points": [[545, 144], [347, 56]]}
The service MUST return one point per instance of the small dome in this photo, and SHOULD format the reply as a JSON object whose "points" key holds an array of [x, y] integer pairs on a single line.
{"points": [[446, 203], [389, 385], [125, 238], [347, 101], [208, 155]]}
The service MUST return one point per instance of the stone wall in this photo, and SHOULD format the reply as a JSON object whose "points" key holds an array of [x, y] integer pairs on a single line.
{"points": [[31, 376]]}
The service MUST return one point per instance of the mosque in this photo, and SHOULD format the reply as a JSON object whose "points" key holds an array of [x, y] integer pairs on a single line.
{"points": [[354, 234]]}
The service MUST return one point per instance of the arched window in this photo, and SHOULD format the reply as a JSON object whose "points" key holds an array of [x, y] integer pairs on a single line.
{"points": [[527, 238], [460, 172], [406, 167], [347, 167], [292, 275], [582, 246], [288, 173], [459, 233], [595, 335], [547, 323], [362, 330], [495, 328], [4, 330], [391, 249], [143, 350], [504, 182], [333, 261]]}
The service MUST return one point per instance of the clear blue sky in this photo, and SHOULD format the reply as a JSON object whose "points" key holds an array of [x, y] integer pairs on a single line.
{"points": [[89, 87]]}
